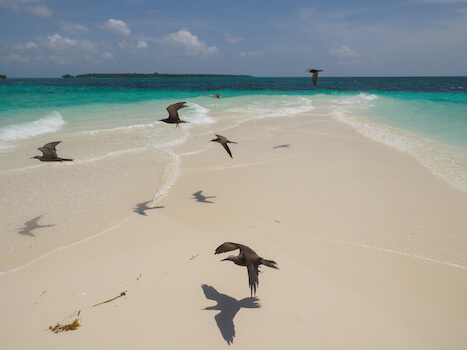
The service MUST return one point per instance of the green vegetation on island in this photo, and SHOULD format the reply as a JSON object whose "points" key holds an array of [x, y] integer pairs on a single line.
{"points": [[153, 75], [2, 76]]}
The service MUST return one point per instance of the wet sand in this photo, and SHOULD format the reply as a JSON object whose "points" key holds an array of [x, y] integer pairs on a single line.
{"points": [[370, 246]]}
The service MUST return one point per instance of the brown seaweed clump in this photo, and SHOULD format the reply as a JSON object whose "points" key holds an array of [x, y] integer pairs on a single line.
{"points": [[66, 327]]}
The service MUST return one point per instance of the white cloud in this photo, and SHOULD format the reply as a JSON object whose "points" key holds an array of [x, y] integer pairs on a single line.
{"points": [[141, 44], [116, 26], [31, 45], [73, 26], [193, 46], [232, 38], [107, 55], [27, 6], [344, 52], [251, 54]]}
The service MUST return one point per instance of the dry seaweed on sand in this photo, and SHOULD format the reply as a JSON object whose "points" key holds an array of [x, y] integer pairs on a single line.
{"points": [[66, 327]]}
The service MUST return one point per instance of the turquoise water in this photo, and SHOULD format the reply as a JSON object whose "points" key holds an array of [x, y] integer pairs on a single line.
{"points": [[124, 158]]}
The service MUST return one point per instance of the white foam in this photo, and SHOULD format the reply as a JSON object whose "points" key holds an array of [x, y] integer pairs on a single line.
{"points": [[198, 115], [442, 160], [49, 124], [275, 108], [120, 129]]}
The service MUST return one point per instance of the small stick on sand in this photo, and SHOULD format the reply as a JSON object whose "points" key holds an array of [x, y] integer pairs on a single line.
{"points": [[108, 301]]}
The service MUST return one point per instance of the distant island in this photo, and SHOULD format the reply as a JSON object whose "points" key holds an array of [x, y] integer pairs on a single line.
{"points": [[2, 76], [153, 75]]}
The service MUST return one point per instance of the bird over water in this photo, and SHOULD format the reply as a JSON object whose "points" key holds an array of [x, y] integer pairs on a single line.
{"points": [[223, 141], [247, 257], [49, 154], [315, 74], [173, 114]]}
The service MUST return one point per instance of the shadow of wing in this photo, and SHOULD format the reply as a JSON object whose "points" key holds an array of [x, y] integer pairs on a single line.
{"points": [[225, 323]]}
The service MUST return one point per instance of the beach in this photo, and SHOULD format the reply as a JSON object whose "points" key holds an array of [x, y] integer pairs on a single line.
{"points": [[369, 243]]}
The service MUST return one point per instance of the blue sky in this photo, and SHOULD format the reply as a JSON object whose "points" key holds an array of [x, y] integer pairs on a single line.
{"points": [[48, 38]]}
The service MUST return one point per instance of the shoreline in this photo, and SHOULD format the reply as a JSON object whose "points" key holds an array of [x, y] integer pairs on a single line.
{"points": [[183, 151], [326, 293]]}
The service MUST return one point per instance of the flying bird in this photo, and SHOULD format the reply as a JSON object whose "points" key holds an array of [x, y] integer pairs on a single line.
{"points": [[247, 257], [223, 141], [315, 74], [173, 114], [49, 154]]}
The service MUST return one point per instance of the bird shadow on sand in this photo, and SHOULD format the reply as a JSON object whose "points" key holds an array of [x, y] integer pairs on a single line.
{"points": [[282, 146], [202, 198], [32, 225], [142, 207], [228, 308]]}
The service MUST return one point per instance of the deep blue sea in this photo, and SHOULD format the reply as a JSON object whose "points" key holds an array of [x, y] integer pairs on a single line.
{"points": [[111, 127]]}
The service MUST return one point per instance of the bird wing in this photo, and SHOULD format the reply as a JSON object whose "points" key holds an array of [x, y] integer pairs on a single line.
{"points": [[315, 78], [48, 153], [51, 145], [227, 148], [172, 109], [252, 267], [228, 246]]}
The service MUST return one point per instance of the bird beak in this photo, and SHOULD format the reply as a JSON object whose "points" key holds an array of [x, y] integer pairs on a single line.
{"points": [[226, 259]]}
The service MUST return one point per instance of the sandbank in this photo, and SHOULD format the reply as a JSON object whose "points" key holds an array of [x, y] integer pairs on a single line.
{"points": [[370, 245]]}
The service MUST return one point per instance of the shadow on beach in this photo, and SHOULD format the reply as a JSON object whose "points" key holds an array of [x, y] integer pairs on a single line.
{"points": [[282, 146], [142, 207], [32, 225], [201, 198], [228, 308]]}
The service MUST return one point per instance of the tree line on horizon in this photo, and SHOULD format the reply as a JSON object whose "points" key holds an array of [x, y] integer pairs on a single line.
{"points": [[143, 75]]}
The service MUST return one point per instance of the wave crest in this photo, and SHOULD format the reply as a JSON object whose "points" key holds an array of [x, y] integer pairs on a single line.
{"points": [[10, 133]]}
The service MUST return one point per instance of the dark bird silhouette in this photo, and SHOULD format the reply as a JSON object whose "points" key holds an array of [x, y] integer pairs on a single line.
{"points": [[32, 225], [282, 146], [49, 154], [228, 308], [202, 198], [223, 141], [315, 75], [248, 258], [173, 114], [142, 207]]}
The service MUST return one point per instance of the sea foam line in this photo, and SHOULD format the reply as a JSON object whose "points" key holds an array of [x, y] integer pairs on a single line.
{"points": [[172, 174], [48, 124], [442, 160]]}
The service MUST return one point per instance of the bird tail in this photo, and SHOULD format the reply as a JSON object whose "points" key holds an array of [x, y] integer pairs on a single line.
{"points": [[269, 263]]}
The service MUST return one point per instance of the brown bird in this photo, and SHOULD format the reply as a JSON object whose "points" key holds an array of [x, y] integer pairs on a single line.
{"points": [[173, 114], [223, 141], [49, 154], [315, 75], [248, 258]]}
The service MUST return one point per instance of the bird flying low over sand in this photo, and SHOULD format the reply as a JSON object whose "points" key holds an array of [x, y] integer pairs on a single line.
{"points": [[49, 154], [315, 74], [173, 114], [223, 141], [248, 258]]}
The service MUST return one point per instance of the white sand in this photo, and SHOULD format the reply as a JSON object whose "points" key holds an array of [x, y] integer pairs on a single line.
{"points": [[329, 182]]}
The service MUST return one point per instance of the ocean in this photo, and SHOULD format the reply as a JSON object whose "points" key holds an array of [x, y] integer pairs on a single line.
{"points": [[124, 158]]}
